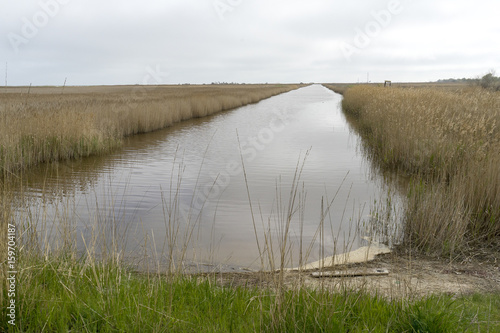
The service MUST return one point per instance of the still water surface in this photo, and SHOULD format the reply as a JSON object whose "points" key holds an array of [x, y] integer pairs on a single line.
{"points": [[222, 180]]}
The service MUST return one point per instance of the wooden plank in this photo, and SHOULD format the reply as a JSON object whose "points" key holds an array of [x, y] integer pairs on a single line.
{"points": [[351, 273]]}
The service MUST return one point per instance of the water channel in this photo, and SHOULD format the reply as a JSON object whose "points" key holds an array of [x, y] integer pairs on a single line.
{"points": [[219, 187]]}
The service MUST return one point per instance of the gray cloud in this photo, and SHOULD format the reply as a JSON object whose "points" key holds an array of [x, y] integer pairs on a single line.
{"points": [[113, 42]]}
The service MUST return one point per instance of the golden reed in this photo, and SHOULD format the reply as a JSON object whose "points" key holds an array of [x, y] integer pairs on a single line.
{"points": [[448, 141], [52, 123]]}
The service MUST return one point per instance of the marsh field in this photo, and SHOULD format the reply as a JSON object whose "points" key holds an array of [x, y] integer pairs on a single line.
{"points": [[434, 148], [448, 141], [43, 124]]}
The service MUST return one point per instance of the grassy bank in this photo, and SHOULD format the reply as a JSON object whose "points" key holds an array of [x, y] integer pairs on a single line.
{"points": [[448, 143], [48, 123], [65, 295]]}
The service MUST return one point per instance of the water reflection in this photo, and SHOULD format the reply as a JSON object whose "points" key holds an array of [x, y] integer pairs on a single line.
{"points": [[211, 189]]}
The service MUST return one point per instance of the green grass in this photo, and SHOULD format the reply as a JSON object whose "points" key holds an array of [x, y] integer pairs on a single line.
{"points": [[66, 295]]}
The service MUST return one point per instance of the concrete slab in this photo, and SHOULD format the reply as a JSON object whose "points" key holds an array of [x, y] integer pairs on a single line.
{"points": [[363, 254]]}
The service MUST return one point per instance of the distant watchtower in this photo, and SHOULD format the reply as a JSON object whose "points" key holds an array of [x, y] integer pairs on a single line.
{"points": [[387, 83]]}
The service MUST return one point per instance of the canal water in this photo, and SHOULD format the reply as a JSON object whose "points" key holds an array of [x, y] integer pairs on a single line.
{"points": [[225, 192]]}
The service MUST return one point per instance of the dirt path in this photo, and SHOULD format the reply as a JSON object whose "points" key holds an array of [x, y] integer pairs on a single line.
{"points": [[409, 276]]}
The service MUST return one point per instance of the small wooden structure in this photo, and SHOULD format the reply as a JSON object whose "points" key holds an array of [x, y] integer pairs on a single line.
{"points": [[387, 83]]}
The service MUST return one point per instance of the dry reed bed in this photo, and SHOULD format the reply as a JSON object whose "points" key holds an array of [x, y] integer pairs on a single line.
{"points": [[48, 124], [449, 142]]}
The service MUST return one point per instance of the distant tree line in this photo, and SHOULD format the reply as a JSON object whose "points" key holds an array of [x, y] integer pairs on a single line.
{"points": [[488, 81], [226, 83], [463, 80]]}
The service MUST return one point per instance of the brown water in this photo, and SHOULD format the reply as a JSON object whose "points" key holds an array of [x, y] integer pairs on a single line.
{"points": [[189, 180]]}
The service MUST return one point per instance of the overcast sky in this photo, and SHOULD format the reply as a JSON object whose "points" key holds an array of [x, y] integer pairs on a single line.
{"points": [[247, 41]]}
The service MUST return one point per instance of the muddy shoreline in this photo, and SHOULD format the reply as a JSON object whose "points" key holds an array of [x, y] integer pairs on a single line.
{"points": [[410, 275]]}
